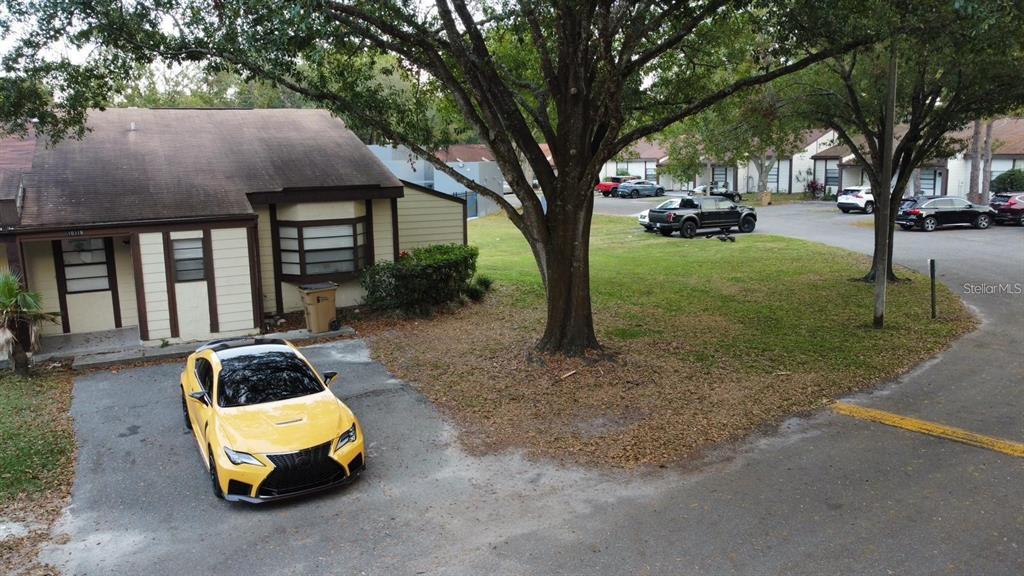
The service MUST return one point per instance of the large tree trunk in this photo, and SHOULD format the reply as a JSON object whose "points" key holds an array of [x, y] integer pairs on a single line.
{"points": [[986, 173], [972, 189], [764, 167], [570, 324]]}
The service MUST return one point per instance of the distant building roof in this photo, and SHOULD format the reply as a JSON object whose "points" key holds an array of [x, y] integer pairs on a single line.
{"points": [[1008, 134], [139, 164], [466, 153]]}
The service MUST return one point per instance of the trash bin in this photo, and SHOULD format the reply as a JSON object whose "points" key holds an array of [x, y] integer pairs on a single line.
{"points": [[318, 300]]}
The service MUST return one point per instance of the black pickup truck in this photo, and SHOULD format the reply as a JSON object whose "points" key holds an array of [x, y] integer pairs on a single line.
{"points": [[692, 214]]}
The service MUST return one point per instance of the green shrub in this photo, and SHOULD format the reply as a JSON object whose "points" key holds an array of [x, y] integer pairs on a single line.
{"points": [[1009, 181], [475, 292], [422, 279], [485, 282]]}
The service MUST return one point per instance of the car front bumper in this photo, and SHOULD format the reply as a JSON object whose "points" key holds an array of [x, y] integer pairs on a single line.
{"points": [[234, 478]]}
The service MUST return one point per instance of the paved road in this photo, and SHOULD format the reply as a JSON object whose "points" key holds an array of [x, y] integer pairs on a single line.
{"points": [[822, 495]]}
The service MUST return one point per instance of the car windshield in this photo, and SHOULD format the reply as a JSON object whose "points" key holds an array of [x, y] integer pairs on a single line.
{"points": [[264, 377], [668, 205], [907, 204], [613, 179], [850, 191]]}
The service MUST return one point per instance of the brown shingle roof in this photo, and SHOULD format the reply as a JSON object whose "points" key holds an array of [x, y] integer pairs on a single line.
{"points": [[1008, 134], [15, 159], [192, 163]]}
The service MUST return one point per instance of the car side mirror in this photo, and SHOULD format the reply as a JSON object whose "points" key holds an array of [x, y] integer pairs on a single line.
{"points": [[201, 396], [330, 377]]}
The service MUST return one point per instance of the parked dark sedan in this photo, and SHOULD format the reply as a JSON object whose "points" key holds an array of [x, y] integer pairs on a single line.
{"points": [[692, 214], [1009, 207], [930, 212]]}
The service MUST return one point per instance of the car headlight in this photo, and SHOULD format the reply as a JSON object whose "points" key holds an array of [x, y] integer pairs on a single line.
{"points": [[237, 458], [347, 438]]}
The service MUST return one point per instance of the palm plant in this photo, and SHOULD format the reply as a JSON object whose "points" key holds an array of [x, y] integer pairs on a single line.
{"points": [[20, 309]]}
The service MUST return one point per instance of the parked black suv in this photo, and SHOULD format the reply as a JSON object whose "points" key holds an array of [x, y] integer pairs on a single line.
{"points": [[693, 214], [930, 212]]}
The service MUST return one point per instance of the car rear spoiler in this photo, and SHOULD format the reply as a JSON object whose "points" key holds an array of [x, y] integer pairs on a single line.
{"points": [[227, 343]]}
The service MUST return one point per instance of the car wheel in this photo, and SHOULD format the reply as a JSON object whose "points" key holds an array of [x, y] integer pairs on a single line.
{"points": [[665, 231], [659, 192], [184, 412], [869, 208], [845, 210], [689, 229], [634, 194], [907, 226], [929, 224], [607, 194], [214, 479], [747, 225], [982, 222]]}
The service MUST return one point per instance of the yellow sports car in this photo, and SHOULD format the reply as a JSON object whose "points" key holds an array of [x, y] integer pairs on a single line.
{"points": [[266, 423]]}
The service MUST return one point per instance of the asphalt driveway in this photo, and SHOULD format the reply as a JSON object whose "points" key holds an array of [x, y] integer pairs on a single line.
{"points": [[826, 494]]}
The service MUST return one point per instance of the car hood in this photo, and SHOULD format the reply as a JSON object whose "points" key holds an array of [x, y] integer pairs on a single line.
{"points": [[284, 426]]}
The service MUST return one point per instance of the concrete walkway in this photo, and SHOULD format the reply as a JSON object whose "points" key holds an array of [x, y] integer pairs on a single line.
{"points": [[99, 349]]}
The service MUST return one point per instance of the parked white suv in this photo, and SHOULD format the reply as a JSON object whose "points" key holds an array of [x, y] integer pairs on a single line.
{"points": [[856, 198]]}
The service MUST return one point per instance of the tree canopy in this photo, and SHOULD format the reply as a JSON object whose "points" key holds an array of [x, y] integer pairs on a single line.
{"points": [[587, 79]]}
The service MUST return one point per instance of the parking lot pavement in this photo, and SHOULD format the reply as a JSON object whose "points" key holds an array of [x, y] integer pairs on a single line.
{"points": [[824, 494]]}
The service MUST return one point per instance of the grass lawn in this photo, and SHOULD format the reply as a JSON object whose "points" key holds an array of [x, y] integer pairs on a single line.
{"points": [[704, 342], [37, 451]]}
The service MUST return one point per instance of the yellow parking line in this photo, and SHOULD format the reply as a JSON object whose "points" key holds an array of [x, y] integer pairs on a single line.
{"points": [[930, 428]]}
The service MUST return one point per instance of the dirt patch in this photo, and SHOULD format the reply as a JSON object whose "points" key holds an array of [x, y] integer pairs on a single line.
{"points": [[641, 401]]}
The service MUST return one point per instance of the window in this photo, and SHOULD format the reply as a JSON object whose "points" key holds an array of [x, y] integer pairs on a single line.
{"points": [[264, 377], [85, 265], [720, 174], [188, 260], [831, 176], [204, 374], [322, 248], [928, 181], [650, 171]]}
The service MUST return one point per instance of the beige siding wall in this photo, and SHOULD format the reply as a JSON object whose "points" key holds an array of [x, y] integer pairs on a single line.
{"points": [[42, 278], [383, 239], [126, 282], [234, 288], [154, 284], [425, 219], [266, 248], [321, 210]]}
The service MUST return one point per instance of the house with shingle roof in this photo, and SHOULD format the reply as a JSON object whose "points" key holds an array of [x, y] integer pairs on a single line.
{"points": [[837, 167], [191, 224]]}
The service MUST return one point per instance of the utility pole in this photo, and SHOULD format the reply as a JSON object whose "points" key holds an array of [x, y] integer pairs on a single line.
{"points": [[882, 273]]}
